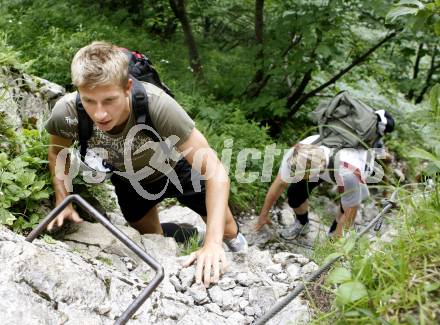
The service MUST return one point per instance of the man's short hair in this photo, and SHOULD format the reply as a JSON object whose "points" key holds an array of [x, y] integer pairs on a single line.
{"points": [[99, 64]]}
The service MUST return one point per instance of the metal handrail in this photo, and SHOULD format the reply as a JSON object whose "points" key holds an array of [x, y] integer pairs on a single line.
{"points": [[136, 304]]}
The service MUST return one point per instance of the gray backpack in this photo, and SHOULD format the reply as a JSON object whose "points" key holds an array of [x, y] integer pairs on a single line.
{"points": [[346, 122]]}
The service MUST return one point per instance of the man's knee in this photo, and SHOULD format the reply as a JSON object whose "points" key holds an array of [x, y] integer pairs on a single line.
{"points": [[149, 223], [298, 193], [295, 201]]}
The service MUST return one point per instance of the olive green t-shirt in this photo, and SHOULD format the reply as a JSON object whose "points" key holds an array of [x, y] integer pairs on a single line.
{"points": [[169, 120]]}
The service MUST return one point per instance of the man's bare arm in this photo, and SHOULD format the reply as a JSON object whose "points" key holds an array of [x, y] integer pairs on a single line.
{"points": [[276, 189], [56, 145], [217, 182], [204, 160]]}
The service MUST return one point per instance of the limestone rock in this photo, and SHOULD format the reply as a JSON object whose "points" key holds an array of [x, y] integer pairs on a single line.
{"points": [[198, 292], [187, 276], [309, 268], [293, 271], [226, 283], [182, 215]]}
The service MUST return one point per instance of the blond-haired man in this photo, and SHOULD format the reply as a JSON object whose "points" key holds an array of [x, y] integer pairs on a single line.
{"points": [[100, 73], [304, 167]]}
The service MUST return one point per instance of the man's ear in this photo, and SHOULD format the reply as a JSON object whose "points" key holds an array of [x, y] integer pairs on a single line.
{"points": [[128, 88]]}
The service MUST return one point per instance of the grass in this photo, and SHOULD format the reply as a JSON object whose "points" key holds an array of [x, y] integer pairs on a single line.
{"points": [[190, 246], [401, 278], [105, 260], [48, 239]]}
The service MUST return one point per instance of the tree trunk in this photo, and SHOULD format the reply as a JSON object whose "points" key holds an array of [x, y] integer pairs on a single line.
{"points": [[178, 7], [299, 91], [428, 80], [296, 106], [410, 95], [160, 9], [259, 87], [169, 29], [136, 10], [256, 84], [206, 27], [259, 30]]}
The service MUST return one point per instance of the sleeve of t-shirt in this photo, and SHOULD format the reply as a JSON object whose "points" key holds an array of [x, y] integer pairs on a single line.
{"points": [[168, 117], [285, 170], [63, 120]]}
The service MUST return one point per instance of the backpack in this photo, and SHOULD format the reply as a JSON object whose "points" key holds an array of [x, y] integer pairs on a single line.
{"points": [[140, 69], [346, 122]]}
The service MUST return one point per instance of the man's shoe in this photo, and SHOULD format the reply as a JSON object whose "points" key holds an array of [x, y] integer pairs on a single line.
{"points": [[296, 230], [238, 244], [331, 233]]}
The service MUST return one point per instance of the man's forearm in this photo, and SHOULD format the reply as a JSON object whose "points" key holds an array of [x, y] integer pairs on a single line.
{"points": [[217, 194], [269, 201], [58, 184], [275, 191]]}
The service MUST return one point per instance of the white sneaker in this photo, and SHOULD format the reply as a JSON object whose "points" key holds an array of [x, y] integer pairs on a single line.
{"points": [[238, 244], [296, 230]]}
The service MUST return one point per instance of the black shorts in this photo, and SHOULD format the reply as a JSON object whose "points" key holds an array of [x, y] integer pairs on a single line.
{"points": [[299, 192], [134, 206]]}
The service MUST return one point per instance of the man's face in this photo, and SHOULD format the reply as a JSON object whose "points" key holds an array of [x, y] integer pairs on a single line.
{"points": [[108, 106]]}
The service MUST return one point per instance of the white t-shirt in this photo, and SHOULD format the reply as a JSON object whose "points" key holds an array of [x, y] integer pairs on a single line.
{"points": [[350, 171]]}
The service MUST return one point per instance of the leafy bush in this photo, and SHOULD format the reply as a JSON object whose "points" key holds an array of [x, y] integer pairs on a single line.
{"points": [[24, 179], [9, 57]]}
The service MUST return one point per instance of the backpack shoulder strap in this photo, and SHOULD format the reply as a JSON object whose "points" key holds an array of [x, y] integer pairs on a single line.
{"points": [[85, 126], [331, 167], [140, 109], [331, 162], [139, 100]]}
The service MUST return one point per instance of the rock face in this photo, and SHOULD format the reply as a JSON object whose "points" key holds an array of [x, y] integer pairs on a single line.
{"points": [[26, 98], [90, 278]]}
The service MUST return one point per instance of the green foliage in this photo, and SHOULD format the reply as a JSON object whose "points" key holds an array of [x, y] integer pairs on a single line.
{"points": [[398, 283], [105, 260], [48, 239], [10, 57], [418, 138], [190, 246], [44, 31], [350, 292], [418, 15], [24, 179], [405, 7], [311, 37], [339, 275], [433, 160], [435, 102]]}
